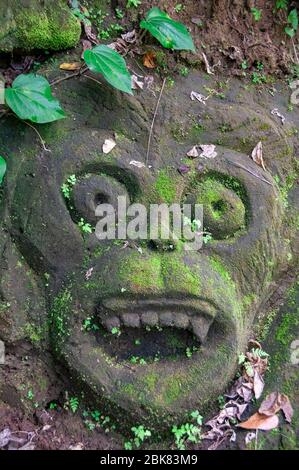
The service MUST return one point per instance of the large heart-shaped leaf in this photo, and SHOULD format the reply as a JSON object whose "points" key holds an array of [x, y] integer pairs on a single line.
{"points": [[170, 33], [2, 168], [30, 97], [111, 65]]}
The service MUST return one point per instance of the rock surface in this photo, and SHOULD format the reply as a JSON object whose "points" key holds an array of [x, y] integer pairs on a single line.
{"points": [[37, 24]]}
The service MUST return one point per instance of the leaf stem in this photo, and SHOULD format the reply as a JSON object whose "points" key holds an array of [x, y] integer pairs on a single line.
{"points": [[93, 79], [71, 75], [39, 136], [153, 121]]}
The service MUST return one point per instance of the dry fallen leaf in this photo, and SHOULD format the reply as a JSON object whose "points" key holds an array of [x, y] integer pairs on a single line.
{"points": [[149, 60], [275, 112], [89, 34], [198, 96], [108, 145], [250, 436], [193, 153], [287, 408], [72, 66], [257, 155], [130, 37], [259, 421], [208, 67], [137, 163], [258, 384], [78, 446], [275, 402], [137, 83], [208, 151], [86, 45]]}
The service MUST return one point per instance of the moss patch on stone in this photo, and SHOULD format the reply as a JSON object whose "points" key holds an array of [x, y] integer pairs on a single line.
{"points": [[37, 26]]}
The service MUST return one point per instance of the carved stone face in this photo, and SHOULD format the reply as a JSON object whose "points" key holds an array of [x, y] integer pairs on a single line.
{"points": [[184, 316]]}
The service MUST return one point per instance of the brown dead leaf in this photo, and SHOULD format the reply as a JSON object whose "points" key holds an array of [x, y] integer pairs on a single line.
{"points": [[287, 408], [149, 60], [275, 402], [257, 155], [259, 421], [108, 145], [89, 34], [193, 153], [72, 66], [86, 45], [258, 384], [271, 405]]}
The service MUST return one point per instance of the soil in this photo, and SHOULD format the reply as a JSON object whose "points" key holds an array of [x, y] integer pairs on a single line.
{"points": [[228, 34]]}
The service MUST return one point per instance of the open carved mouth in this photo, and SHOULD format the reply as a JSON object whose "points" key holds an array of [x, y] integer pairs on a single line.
{"points": [[154, 327]]}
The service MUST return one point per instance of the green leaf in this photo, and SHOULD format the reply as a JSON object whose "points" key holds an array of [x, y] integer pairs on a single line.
{"points": [[30, 97], [2, 168], [170, 33], [293, 19], [289, 31], [111, 65]]}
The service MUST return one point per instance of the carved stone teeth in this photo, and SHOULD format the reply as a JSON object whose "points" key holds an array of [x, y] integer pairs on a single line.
{"points": [[150, 319], [131, 320], [181, 320], [200, 327], [166, 319], [111, 322]]}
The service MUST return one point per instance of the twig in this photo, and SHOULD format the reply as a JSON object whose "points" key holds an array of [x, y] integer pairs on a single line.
{"points": [[256, 435], [295, 51], [153, 121], [93, 79], [71, 75], [39, 136], [249, 171]]}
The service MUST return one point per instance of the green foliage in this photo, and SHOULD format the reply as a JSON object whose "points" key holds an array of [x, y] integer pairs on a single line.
{"points": [[256, 13], [179, 7], [116, 331], [67, 187], [292, 26], [111, 65], [140, 435], [2, 168], [85, 227], [30, 97], [89, 325], [188, 432], [281, 4], [171, 34], [133, 3], [74, 404]]}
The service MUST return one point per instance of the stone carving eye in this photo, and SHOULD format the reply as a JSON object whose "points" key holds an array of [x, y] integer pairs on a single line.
{"points": [[224, 205], [92, 190]]}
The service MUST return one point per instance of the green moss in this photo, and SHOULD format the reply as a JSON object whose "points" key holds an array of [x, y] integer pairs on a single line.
{"points": [[166, 187], [35, 333], [220, 268], [49, 27], [179, 276], [142, 274], [172, 389], [289, 321], [59, 315], [39, 30], [150, 381]]}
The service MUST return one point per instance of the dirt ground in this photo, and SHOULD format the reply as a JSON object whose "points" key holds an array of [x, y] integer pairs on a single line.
{"points": [[228, 34]]}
